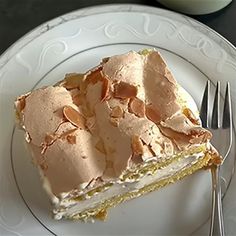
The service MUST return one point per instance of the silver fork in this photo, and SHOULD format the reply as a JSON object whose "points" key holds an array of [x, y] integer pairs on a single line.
{"points": [[221, 131]]}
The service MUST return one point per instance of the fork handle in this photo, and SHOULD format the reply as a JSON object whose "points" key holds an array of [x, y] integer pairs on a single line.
{"points": [[217, 221]]}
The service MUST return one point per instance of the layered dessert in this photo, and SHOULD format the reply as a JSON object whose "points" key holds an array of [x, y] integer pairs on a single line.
{"points": [[123, 129]]}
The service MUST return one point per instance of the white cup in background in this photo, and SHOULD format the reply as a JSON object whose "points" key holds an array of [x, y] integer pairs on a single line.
{"points": [[195, 7]]}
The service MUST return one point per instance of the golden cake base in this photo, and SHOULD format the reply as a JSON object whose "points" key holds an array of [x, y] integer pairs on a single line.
{"points": [[99, 211]]}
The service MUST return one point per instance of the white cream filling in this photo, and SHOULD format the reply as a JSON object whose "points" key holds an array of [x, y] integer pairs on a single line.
{"points": [[122, 188]]}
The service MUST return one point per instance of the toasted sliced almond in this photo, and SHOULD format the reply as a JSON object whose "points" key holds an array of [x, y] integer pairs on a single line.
{"points": [[189, 114], [91, 77], [71, 139], [74, 117], [196, 136], [200, 136], [152, 114], [72, 80], [125, 90], [105, 89], [181, 140], [137, 107], [100, 146], [136, 145], [114, 121], [117, 112], [95, 76]]}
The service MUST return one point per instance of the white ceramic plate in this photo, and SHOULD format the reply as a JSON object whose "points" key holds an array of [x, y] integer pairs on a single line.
{"points": [[76, 42]]}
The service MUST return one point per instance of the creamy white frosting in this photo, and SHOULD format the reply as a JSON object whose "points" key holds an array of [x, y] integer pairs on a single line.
{"points": [[122, 188]]}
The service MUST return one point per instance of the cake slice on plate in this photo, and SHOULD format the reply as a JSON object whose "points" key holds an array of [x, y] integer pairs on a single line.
{"points": [[121, 130]]}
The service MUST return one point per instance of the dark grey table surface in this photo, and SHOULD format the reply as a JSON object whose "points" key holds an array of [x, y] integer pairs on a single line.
{"points": [[17, 17]]}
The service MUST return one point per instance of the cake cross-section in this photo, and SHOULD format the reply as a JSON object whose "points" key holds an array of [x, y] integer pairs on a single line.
{"points": [[116, 132]]}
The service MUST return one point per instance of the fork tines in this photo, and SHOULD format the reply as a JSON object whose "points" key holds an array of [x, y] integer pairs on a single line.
{"points": [[227, 117], [215, 118]]}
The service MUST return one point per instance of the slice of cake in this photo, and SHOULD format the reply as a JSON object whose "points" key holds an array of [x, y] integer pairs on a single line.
{"points": [[123, 129]]}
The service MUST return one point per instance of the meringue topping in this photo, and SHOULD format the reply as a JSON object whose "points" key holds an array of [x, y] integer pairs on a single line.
{"points": [[92, 126]]}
